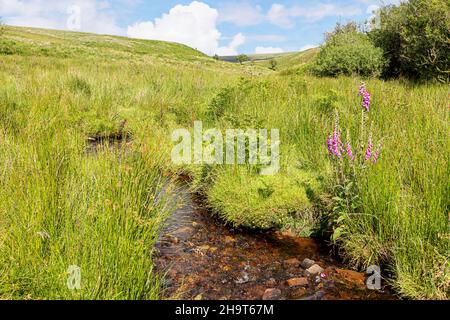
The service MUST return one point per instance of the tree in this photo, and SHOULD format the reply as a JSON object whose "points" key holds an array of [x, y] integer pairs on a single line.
{"points": [[216, 57], [350, 27], [242, 58], [273, 64], [415, 38], [2, 27], [347, 52]]}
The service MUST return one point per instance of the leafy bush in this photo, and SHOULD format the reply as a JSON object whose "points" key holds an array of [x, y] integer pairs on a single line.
{"points": [[347, 53], [242, 58], [219, 103], [415, 37], [273, 64]]}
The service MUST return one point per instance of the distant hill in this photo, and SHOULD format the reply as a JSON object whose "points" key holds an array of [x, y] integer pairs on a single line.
{"points": [[284, 60], [256, 57], [296, 59]]}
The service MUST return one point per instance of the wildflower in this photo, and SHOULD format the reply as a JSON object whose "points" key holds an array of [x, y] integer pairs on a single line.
{"points": [[369, 149], [362, 92], [336, 142], [349, 147], [376, 154], [329, 145], [349, 151]]}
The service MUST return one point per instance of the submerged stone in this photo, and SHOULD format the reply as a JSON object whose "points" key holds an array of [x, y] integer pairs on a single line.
{"points": [[272, 294], [313, 270], [307, 263], [296, 282]]}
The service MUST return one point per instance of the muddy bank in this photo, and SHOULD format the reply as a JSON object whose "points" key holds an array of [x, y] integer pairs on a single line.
{"points": [[203, 259]]}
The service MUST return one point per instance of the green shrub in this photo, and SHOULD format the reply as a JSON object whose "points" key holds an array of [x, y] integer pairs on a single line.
{"points": [[242, 58], [415, 37], [349, 53]]}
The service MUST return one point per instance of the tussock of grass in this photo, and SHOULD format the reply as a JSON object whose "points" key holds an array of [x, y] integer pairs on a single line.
{"points": [[250, 200]]}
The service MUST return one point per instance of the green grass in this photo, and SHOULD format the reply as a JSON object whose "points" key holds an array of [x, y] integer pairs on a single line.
{"points": [[250, 200], [289, 63], [403, 222], [62, 205]]}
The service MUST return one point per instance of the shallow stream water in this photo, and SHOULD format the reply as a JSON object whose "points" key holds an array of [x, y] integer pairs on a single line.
{"points": [[202, 258]]}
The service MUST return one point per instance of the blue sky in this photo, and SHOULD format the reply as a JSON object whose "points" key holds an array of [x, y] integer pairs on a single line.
{"points": [[212, 26]]}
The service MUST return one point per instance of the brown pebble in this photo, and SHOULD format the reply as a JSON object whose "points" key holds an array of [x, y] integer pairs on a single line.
{"points": [[296, 282], [272, 294]]}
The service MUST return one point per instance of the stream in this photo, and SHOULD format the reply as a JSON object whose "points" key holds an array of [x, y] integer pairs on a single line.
{"points": [[203, 259]]}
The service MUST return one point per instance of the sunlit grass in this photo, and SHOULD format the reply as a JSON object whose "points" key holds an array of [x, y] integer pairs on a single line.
{"points": [[62, 205]]}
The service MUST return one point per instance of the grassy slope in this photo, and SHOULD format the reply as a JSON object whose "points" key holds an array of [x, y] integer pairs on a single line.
{"points": [[62, 206], [57, 90], [285, 61], [256, 57], [288, 62], [32, 41]]}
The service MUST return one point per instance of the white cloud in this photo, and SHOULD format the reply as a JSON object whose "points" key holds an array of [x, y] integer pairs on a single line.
{"points": [[231, 49], [194, 25], [95, 16], [241, 14], [266, 38], [382, 2], [284, 17], [266, 50], [280, 16]]}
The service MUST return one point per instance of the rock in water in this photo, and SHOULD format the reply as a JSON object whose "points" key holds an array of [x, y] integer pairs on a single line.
{"points": [[296, 282], [317, 296], [313, 270], [307, 263], [244, 279], [272, 294]]}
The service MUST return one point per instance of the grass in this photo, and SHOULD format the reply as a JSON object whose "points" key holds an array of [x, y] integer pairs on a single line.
{"points": [[290, 63], [264, 202], [62, 205], [403, 222]]}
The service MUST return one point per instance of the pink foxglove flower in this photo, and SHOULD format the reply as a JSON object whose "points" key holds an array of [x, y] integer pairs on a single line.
{"points": [[348, 147], [330, 151], [369, 149], [362, 92], [349, 151], [376, 154]]}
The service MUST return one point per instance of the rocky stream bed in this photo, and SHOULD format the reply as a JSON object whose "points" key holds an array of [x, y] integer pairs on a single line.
{"points": [[202, 258]]}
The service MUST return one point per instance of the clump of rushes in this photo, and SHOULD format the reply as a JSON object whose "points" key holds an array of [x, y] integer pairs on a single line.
{"points": [[362, 92]]}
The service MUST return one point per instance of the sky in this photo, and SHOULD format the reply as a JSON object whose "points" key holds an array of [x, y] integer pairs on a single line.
{"points": [[211, 26]]}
